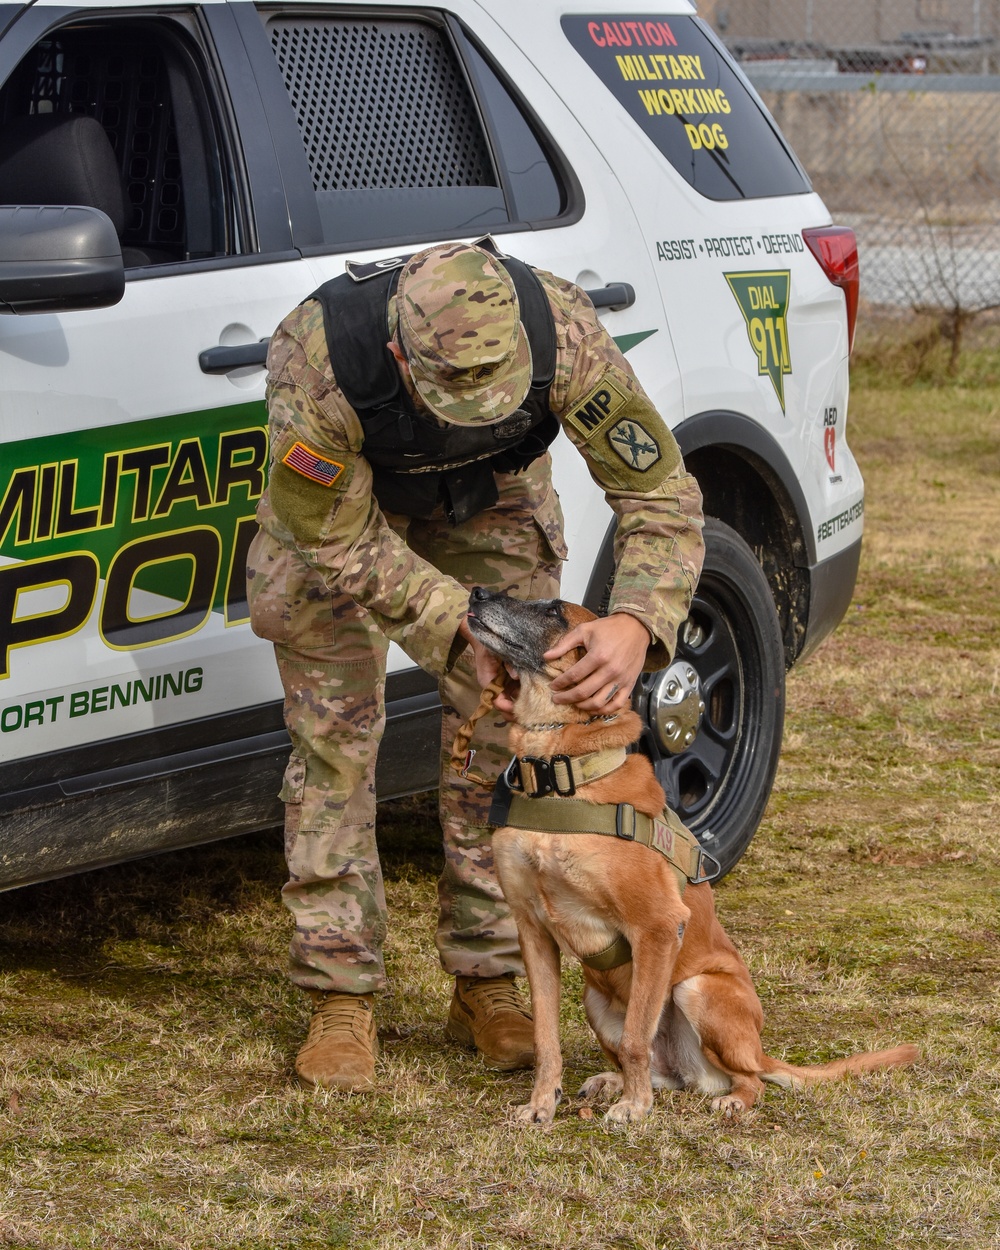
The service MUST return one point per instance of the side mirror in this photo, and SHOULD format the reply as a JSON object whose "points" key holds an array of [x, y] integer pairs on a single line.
{"points": [[57, 259]]}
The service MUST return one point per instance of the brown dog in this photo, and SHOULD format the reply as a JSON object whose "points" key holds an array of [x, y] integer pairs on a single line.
{"points": [[670, 999]]}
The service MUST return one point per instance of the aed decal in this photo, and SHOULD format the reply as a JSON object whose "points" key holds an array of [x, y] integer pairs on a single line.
{"points": [[763, 301], [94, 700], [162, 511], [830, 437]]}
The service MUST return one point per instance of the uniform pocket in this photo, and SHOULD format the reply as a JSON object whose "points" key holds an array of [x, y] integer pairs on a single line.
{"points": [[552, 549], [548, 516], [290, 604], [293, 785], [291, 794]]}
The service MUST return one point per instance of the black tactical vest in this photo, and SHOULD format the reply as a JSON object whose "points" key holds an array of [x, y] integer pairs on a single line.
{"points": [[417, 463]]}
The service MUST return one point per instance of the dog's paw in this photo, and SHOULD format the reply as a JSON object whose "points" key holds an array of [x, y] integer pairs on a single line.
{"points": [[604, 1084], [627, 1111], [532, 1114], [730, 1105], [541, 1110]]}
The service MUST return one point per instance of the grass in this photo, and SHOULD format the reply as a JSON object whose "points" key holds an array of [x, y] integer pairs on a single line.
{"points": [[147, 1029]]}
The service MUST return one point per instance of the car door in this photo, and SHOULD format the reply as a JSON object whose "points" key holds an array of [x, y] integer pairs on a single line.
{"points": [[133, 448]]}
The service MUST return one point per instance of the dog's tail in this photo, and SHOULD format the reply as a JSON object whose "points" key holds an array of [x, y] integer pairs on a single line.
{"points": [[792, 1077]]}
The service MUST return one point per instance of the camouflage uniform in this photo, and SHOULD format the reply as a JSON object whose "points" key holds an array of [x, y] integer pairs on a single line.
{"points": [[333, 578]]}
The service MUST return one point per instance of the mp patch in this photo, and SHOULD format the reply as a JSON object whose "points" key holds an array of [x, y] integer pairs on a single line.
{"points": [[312, 465], [597, 410]]}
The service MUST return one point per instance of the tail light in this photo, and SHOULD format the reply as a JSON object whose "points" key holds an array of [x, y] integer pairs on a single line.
{"points": [[836, 249]]}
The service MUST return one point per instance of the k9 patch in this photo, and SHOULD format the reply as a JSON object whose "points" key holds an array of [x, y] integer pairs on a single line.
{"points": [[312, 465]]}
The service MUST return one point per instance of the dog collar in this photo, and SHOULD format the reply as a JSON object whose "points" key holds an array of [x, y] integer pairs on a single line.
{"points": [[565, 724], [536, 776]]}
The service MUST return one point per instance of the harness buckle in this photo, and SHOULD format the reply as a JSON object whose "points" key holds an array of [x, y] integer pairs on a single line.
{"points": [[625, 822], [546, 776], [502, 796]]}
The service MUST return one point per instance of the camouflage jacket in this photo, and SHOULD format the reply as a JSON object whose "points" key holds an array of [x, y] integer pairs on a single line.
{"points": [[320, 501]]}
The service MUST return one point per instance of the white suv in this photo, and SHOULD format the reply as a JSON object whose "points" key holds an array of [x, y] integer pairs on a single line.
{"points": [[222, 160]]}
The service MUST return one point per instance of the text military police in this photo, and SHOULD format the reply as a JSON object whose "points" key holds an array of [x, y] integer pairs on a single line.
{"points": [[410, 414]]}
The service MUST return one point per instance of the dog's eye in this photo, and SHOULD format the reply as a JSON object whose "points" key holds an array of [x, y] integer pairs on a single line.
{"points": [[554, 608]]}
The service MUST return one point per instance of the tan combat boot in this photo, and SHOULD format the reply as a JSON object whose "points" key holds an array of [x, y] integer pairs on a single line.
{"points": [[489, 1013], [339, 1052]]}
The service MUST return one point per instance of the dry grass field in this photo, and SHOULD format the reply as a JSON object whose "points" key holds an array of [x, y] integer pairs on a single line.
{"points": [[147, 1030]]}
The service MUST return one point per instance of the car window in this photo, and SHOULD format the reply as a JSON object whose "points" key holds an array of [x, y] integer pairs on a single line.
{"points": [[676, 82], [534, 186], [157, 170], [396, 143]]}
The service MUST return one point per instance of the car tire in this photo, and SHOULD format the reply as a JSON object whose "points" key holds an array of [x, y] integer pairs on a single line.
{"points": [[713, 719]]}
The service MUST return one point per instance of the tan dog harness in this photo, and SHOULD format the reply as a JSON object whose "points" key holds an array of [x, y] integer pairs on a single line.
{"points": [[547, 807], [558, 813], [536, 793]]}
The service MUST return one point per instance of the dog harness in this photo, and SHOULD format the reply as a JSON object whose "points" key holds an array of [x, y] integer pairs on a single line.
{"points": [[537, 793]]}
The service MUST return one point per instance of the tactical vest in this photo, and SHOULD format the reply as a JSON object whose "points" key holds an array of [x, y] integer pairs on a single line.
{"points": [[416, 463]]}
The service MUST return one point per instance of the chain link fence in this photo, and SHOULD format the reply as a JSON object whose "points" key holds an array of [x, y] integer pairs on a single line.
{"points": [[893, 106]]}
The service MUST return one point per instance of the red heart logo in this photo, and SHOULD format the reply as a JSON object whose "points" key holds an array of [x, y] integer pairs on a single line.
{"points": [[829, 440]]}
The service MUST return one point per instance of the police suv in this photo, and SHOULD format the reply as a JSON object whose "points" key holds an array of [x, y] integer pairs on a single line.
{"points": [[176, 175]]}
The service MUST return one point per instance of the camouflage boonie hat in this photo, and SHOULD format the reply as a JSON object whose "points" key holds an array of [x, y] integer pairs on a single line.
{"points": [[460, 328]]}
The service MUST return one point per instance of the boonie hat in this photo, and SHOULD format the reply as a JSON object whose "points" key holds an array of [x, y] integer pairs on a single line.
{"points": [[460, 329]]}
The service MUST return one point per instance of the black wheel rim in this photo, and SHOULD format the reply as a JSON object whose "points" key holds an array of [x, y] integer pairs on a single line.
{"points": [[706, 781]]}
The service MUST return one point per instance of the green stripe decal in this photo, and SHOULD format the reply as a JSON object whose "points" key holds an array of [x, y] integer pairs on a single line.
{"points": [[626, 342]]}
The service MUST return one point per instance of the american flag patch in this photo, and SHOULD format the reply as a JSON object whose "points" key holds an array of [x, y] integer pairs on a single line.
{"points": [[312, 465]]}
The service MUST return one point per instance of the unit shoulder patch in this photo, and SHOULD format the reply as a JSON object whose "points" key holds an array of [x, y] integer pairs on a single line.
{"points": [[311, 464], [628, 444], [634, 443]]}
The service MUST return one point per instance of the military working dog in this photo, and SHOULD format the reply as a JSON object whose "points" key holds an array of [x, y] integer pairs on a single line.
{"points": [[617, 884]]}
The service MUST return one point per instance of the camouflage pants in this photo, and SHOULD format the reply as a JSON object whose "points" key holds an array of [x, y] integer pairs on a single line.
{"points": [[331, 657]]}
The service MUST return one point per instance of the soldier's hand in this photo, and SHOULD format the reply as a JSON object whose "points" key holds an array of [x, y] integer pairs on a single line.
{"points": [[602, 679]]}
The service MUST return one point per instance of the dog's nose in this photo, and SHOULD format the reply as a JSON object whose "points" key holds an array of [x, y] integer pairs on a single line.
{"points": [[479, 593]]}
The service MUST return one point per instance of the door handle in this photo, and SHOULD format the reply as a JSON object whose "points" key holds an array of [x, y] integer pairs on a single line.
{"points": [[240, 356], [615, 296]]}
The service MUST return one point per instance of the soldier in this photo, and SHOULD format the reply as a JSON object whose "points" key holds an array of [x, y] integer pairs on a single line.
{"points": [[410, 415]]}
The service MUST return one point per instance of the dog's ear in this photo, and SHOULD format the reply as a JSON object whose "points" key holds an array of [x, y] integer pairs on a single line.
{"points": [[577, 614]]}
